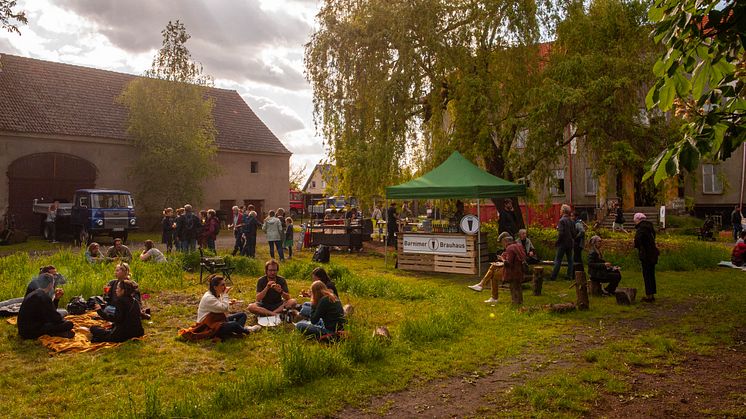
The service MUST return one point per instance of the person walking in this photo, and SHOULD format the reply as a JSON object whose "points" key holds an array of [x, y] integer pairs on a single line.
{"points": [[565, 243], [235, 225], [273, 228], [735, 219], [619, 219], [392, 225], [648, 254]]}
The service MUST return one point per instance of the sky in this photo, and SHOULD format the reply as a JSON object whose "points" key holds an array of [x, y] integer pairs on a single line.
{"points": [[252, 46]]}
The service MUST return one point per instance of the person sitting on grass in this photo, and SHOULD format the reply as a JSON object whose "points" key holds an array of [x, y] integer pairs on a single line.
{"points": [[121, 273], [151, 253], [318, 274], [119, 252], [126, 318], [56, 293], [272, 294], [738, 254], [601, 270], [38, 315], [93, 254], [327, 315], [528, 247], [213, 319]]}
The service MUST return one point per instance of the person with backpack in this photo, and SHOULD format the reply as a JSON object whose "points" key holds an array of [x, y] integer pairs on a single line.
{"points": [[273, 228], [189, 226], [249, 228]]}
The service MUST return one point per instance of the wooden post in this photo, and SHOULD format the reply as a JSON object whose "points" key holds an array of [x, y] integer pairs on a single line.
{"points": [[625, 296], [581, 289], [596, 289], [538, 280], [516, 291]]}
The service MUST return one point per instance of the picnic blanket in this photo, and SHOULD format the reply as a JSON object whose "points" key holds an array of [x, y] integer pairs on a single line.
{"points": [[81, 342], [729, 264]]}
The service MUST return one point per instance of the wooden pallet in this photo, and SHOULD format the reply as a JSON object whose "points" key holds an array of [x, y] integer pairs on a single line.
{"points": [[416, 262], [458, 264]]}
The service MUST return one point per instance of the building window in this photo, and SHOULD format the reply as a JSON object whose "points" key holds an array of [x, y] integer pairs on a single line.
{"points": [[710, 182], [323, 184], [591, 183], [558, 188], [313, 183], [255, 167]]}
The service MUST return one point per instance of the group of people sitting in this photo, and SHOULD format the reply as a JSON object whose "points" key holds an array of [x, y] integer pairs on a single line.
{"points": [[120, 252], [39, 315], [322, 316]]}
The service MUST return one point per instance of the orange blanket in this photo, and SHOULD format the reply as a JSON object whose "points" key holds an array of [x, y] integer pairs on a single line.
{"points": [[82, 340]]}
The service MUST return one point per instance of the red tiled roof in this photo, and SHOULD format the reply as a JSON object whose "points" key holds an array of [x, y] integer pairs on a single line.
{"points": [[44, 97]]}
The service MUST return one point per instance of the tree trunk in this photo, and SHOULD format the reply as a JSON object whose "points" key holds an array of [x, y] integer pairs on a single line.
{"points": [[516, 292], [596, 289], [538, 280], [603, 195], [628, 189], [581, 289]]}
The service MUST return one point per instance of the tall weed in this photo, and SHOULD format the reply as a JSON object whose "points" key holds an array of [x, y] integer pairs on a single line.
{"points": [[302, 361], [362, 346], [434, 326]]}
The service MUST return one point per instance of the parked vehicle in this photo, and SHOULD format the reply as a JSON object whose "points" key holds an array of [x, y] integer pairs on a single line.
{"points": [[296, 203], [93, 212]]}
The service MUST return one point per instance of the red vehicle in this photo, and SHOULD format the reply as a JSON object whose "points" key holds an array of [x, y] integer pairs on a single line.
{"points": [[296, 203]]}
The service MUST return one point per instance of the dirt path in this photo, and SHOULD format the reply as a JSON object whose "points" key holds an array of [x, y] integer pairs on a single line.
{"points": [[697, 386]]}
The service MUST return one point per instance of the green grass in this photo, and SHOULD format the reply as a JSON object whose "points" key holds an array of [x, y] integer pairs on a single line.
{"points": [[439, 328]]}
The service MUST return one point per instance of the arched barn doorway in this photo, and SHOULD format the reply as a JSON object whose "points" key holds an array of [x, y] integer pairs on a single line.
{"points": [[45, 175]]}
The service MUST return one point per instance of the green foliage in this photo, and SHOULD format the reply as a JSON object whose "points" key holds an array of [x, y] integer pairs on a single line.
{"points": [[437, 325], [700, 76], [171, 123], [362, 347], [8, 15]]}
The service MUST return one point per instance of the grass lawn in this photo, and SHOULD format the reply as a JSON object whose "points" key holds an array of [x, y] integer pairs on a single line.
{"points": [[439, 327]]}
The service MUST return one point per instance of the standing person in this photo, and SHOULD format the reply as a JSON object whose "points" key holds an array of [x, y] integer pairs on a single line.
{"points": [[619, 219], [735, 219], [38, 315], [211, 229], [377, 216], [235, 225], [565, 244], [392, 224], [579, 244], [250, 226], [648, 254], [189, 226], [288, 243], [178, 229], [51, 221], [273, 228], [508, 220], [272, 293], [168, 228], [126, 319]]}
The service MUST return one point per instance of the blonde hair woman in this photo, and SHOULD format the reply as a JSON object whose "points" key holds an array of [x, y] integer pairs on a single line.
{"points": [[327, 314]]}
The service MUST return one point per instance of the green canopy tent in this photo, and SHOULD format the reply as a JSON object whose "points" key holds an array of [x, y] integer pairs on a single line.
{"points": [[456, 177]]}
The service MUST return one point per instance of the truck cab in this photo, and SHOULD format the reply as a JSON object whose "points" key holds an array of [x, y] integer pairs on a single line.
{"points": [[97, 212]]}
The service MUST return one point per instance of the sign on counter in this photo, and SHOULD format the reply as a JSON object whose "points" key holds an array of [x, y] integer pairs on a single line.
{"points": [[434, 245]]}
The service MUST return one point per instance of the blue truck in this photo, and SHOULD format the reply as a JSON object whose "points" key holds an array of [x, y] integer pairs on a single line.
{"points": [[92, 212]]}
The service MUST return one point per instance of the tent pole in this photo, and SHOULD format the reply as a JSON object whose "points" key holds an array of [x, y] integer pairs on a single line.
{"points": [[386, 238], [479, 242]]}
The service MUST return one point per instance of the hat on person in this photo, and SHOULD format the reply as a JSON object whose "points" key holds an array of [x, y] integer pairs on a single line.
{"points": [[639, 217], [504, 235]]}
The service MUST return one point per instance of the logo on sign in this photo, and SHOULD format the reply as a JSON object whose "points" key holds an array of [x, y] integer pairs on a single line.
{"points": [[470, 224], [433, 244]]}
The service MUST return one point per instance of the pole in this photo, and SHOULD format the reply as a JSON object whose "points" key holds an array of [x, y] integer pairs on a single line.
{"points": [[386, 240], [743, 174], [479, 242]]}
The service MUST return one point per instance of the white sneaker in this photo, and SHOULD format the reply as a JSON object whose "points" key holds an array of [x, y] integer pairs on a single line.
{"points": [[476, 287], [253, 329], [491, 300]]}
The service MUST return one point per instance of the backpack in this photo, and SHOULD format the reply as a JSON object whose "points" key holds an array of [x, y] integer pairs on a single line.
{"points": [[77, 305], [321, 254]]}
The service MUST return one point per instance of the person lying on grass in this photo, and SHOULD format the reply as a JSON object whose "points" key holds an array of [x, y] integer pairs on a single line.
{"points": [[38, 315], [126, 317], [327, 315], [213, 320], [272, 294], [601, 270], [318, 274], [93, 254]]}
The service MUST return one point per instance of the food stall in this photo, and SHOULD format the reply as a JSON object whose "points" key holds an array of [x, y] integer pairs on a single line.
{"points": [[455, 247], [340, 231]]}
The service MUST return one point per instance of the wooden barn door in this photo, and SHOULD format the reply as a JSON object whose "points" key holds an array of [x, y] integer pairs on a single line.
{"points": [[47, 176]]}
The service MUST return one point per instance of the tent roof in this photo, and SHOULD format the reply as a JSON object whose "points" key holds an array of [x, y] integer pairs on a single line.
{"points": [[456, 177]]}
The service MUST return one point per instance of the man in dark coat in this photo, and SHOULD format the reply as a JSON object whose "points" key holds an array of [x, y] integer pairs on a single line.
{"points": [[648, 254], [250, 225], [38, 316], [735, 220], [565, 243], [188, 226], [508, 220], [392, 225]]}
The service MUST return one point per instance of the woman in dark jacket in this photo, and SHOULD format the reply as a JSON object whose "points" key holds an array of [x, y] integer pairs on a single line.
{"points": [[327, 315], [168, 227], [648, 254], [601, 270], [126, 318]]}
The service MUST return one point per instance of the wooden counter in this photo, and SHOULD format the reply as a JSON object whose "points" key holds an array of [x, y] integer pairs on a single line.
{"points": [[465, 263]]}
